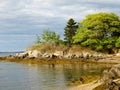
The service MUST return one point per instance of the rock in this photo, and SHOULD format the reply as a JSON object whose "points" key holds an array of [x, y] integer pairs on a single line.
{"points": [[113, 73], [118, 54], [34, 53], [11, 57], [59, 54], [53, 56], [29, 54], [46, 55], [105, 76], [86, 55], [22, 55], [109, 78]]}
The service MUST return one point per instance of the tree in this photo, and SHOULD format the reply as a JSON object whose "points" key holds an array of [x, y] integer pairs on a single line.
{"points": [[117, 44], [99, 31], [70, 31], [49, 36], [38, 39]]}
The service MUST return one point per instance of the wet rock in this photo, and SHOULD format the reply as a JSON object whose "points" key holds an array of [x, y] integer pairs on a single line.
{"points": [[81, 80], [115, 71], [112, 73], [111, 77]]}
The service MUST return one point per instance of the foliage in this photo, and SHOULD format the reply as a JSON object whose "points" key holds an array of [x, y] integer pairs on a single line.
{"points": [[117, 44], [49, 36], [70, 31], [38, 39], [99, 31]]}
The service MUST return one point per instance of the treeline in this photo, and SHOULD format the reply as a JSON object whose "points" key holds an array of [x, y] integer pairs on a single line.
{"points": [[99, 32]]}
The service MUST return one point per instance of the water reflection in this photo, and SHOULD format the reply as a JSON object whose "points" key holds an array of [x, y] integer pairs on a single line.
{"points": [[16, 76]]}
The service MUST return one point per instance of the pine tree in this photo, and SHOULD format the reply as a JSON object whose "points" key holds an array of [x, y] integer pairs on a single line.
{"points": [[70, 31]]}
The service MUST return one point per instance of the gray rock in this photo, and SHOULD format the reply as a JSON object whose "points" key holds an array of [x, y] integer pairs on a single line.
{"points": [[34, 53], [115, 71], [109, 76], [58, 54], [22, 55], [46, 55]]}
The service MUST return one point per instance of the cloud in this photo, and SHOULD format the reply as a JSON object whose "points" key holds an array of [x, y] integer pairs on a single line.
{"points": [[31, 17], [15, 42]]}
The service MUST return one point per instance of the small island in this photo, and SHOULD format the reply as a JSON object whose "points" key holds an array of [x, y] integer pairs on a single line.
{"points": [[95, 39]]}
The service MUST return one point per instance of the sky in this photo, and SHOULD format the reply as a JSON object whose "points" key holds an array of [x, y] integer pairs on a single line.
{"points": [[21, 20]]}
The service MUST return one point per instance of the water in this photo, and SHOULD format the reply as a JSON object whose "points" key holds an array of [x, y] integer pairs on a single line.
{"points": [[8, 53], [18, 76]]}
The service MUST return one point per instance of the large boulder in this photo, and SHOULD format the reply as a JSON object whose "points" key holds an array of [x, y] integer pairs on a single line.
{"points": [[34, 53], [29, 54]]}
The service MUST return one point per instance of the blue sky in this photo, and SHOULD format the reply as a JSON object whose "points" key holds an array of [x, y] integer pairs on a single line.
{"points": [[21, 20]]}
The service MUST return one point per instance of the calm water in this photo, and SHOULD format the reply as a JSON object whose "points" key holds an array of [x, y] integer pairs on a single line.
{"points": [[18, 76], [8, 53]]}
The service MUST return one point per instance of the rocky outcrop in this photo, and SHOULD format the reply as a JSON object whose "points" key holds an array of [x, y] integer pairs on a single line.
{"points": [[84, 55], [112, 73], [22, 55], [29, 54], [34, 54], [111, 78], [60, 55]]}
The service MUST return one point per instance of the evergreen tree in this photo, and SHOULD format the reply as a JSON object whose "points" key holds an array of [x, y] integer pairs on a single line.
{"points": [[70, 31]]}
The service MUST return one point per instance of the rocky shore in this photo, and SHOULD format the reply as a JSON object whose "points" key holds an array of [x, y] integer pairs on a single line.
{"points": [[109, 80], [60, 55], [87, 56]]}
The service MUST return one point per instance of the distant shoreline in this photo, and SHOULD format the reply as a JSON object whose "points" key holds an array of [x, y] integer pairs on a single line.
{"points": [[13, 52]]}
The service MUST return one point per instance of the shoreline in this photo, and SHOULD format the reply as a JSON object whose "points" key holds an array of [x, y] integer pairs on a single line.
{"points": [[88, 86], [107, 60]]}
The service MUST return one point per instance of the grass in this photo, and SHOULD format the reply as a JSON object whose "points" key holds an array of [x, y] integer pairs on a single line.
{"points": [[48, 47]]}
